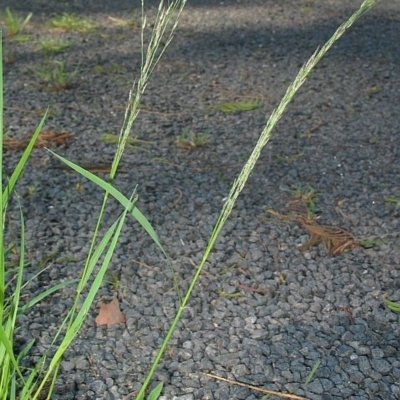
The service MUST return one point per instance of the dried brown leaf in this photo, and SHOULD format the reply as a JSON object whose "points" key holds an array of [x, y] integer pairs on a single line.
{"points": [[110, 314], [45, 138]]}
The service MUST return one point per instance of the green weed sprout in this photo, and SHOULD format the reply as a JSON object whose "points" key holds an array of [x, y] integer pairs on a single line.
{"points": [[15, 24], [71, 22]]}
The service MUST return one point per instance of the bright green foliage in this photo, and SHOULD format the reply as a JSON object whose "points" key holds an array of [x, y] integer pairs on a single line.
{"points": [[14, 24]]}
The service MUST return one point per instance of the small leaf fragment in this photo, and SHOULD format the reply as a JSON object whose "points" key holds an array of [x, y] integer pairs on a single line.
{"points": [[238, 106]]}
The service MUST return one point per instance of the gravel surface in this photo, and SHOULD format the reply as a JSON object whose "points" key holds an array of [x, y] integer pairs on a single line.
{"points": [[264, 313]]}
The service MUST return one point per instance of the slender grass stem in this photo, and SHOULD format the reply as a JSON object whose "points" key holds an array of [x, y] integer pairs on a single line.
{"points": [[244, 174]]}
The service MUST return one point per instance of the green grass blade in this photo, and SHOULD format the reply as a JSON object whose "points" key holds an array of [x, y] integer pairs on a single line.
{"points": [[89, 268], [238, 106], [155, 393], [124, 201], [95, 256], [7, 344], [244, 174], [13, 389], [311, 375], [25, 351], [135, 212], [77, 322], [28, 387], [22, 161], [46, 293], [17, 290], [8, 363], [7, 353], [392, 199], [2, 257], [392, 305]]}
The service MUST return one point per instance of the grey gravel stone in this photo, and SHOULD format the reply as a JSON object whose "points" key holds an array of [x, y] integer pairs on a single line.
{"points": [[98, 386], [67, 366], [316, 386], [381, 365]]}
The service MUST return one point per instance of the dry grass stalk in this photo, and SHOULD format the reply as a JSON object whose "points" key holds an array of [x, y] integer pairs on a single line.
{"points": [[45, 139]]}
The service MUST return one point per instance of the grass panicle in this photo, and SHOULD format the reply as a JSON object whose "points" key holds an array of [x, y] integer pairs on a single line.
{"points": [[244, 174]]}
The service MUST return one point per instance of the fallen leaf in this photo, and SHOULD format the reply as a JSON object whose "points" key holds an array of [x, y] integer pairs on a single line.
{"points": [[110, 314], [45, 138]]}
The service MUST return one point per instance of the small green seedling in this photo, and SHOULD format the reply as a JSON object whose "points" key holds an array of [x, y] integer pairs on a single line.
{"points": [[368, 243], [392, 305], [306, 196], [71, 22], [189, 140], [55, 45], [311, 375], [55, 77], [111, 69], [113, 280], [14, 24], [22, 38], [392, 199], [238, 106]]}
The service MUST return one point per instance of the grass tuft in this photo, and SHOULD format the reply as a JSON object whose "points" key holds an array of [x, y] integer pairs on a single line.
{"points": [[13, 23], [189, 140], [70, 22], [54, 45], [54, 76]]}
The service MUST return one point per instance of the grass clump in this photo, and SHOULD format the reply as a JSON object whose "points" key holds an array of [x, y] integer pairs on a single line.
{"points": [[304, 197], [54, 76], [71, 22], [16, 382], [55, 45], [189, 140], [14, 24]]}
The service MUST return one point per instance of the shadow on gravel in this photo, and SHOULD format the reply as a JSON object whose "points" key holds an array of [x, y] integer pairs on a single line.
{"points": [[91, 6], [371, 38], [374, 38]]}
